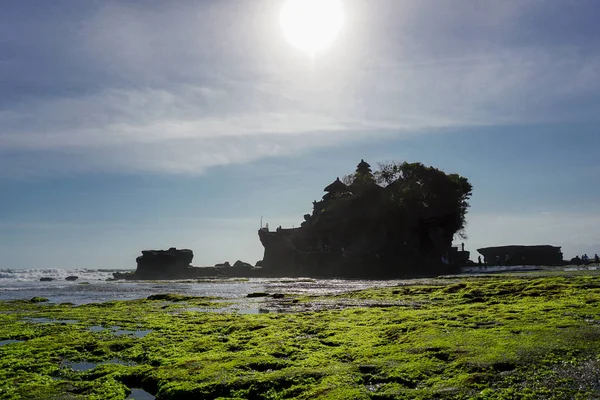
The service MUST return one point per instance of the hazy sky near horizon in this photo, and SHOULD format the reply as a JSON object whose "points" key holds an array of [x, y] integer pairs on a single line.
{"points": [[127, 125]]}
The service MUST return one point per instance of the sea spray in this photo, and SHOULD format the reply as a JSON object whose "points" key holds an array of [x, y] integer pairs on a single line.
{"points": [[32, 275]]}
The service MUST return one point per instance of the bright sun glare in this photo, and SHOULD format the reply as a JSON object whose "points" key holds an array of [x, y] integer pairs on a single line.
{"points": [[311, 25]]}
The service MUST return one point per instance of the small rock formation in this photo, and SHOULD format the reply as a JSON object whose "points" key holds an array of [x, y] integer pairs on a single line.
{"points": [[223, 265], [46, 279], [38, 300], [71, 278], [241, 264], [156, 264]]}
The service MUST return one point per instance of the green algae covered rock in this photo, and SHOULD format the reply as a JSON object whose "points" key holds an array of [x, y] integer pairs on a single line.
{"points": [[529, 336], [38, 300]]}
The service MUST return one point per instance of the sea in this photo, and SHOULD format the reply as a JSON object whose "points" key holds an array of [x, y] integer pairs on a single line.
{"points": [[96, 286]]}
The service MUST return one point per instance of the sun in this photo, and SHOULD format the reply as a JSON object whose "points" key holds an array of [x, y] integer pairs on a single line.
{"points": [[311, 25]]}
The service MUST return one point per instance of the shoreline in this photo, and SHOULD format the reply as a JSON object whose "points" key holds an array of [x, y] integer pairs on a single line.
{"points": [[486, 337]]}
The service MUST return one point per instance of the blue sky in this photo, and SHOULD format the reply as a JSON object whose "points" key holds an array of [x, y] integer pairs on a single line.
{"points": [[127, 125]]}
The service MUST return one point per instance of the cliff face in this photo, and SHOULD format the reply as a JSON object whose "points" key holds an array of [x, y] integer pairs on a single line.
{"points": [[368, 231]]}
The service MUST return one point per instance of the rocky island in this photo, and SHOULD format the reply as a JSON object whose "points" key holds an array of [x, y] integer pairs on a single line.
{"points": [[398, 221]]}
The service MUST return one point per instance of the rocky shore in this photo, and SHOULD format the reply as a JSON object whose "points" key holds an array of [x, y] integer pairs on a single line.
{"points": [[495, 337]]}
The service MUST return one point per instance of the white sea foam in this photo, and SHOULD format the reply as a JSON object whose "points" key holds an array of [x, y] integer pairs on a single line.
{"points": [[32, 275]]}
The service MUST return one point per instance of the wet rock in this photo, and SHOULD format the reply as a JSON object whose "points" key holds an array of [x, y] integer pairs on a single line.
{"points": [[46, 279], [257, 294], [121, 275], [278, 296], [71, 278], [169, 297], [38, 300]]}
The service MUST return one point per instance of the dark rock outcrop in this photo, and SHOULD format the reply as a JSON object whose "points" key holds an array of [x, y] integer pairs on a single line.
{"points": [[364, 230], [576, 261], [175, 264], [242, 264], [155, 264], [522, 255], [223, 265], [71, 278], [46, 279], [38, 300]]}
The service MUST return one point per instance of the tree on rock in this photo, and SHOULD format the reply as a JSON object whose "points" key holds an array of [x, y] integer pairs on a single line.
{"points": [[427, 191]]}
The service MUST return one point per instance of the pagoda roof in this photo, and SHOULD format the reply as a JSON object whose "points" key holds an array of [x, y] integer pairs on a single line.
{"points": [[336, 187], [363, 164]]}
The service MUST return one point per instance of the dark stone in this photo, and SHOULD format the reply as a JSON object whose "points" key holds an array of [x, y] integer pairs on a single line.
{"points": [[258, 264], [46, 279], [257, 294], [71, 278], [241, 264], [122, 275], [223, 265], [38, 300], [278, 296]]}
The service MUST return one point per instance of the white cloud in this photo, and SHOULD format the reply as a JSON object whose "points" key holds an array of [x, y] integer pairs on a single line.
{"points": [[203, 91]]}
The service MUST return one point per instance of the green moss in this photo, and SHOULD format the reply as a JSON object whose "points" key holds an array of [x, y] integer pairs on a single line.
{"points": [[498, 337], [38, 300], [170, 297]]}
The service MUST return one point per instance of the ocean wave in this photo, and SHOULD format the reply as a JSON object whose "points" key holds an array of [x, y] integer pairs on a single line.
{"points": [[30, 275]]}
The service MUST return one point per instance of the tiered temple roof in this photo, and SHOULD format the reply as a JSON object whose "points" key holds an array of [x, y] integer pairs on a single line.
{"points": [[336, 187]]}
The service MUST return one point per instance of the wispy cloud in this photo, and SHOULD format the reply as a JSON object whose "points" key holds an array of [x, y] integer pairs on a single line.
{"points": [[212, 88]]}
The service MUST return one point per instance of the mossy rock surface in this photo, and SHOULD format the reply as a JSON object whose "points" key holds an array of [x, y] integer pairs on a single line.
{"points": [[495, 337], [38, 300]]}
